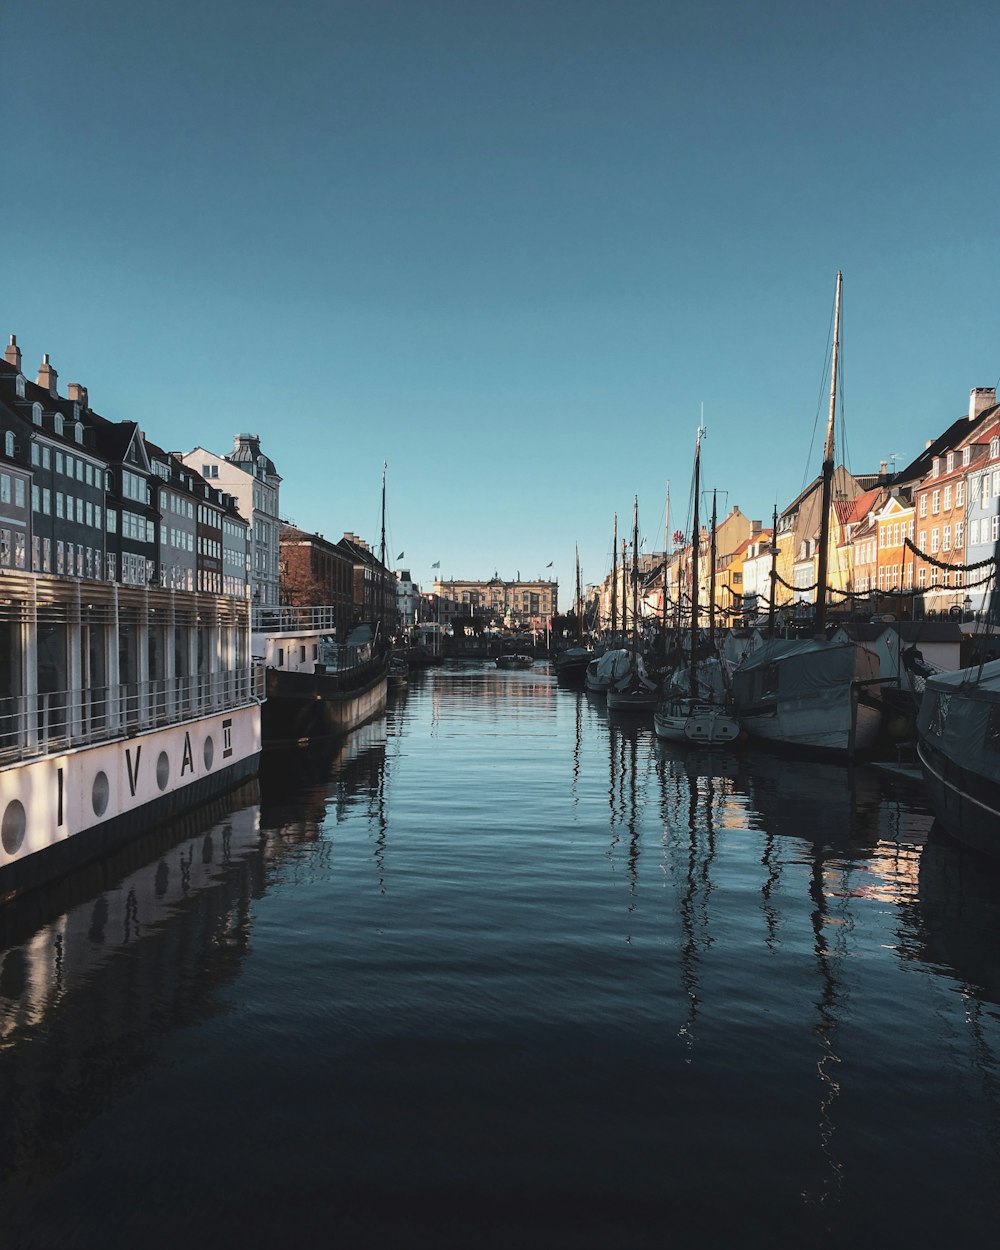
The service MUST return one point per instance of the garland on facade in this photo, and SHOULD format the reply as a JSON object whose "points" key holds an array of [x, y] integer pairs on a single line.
{"points": [[944, 564]]}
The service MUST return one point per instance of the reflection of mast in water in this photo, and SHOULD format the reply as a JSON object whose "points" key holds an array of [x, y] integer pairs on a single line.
{"points": [[695, 915], [625, 799], [376, 812], [633, 825], [771, 860], [826, 1028], [613, 736], [576, 749]]}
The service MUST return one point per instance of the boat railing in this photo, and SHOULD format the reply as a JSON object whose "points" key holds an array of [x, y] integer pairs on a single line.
{"points": [[286, 619], [59, 720]]}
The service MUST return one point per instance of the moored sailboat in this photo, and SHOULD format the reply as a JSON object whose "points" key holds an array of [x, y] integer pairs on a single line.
{"points": [[958, 745], [687, 717], [806, 692], [635, 692]]}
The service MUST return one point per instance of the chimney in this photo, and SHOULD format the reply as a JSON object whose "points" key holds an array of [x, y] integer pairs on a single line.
{"points": [[755, 528], [78, 393], [882, 466], [47, 376], [981, 398], [13, 353]]}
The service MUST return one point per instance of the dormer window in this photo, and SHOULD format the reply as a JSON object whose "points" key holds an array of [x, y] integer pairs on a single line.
{"points": [[935, 466], [966, 455], [36, 414], [950, 461], [994, 448], [78, 432], [57, 423], [19, 385], [8, 444]]}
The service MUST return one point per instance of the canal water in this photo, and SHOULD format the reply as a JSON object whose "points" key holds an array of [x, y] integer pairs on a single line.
{"points": [[503, 970]]}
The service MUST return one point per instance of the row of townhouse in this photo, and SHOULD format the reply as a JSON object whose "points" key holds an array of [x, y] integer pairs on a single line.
{"points": [[902, 542], [90, 498], [905, 543], [95, 499]]}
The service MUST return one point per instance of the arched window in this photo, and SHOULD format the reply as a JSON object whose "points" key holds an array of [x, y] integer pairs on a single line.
{"points": [[8, 444], [78, 432], [19, 385], [57, 422], [36, 413]]}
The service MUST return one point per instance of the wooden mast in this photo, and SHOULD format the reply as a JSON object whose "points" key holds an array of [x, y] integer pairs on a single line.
{"points": [[695, 542], [666, 560], [614, 581], [824, 528], [635, 589], [774, 573], [579, 601], [711, 583]]}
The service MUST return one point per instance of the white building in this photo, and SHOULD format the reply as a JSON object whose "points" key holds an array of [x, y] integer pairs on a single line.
{"points": [[251, 478]]}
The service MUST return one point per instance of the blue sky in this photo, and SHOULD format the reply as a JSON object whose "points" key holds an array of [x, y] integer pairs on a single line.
{"points": [[511, 248]]}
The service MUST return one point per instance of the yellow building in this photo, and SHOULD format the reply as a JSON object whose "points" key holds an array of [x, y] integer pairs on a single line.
{"points": [[530, 604]]}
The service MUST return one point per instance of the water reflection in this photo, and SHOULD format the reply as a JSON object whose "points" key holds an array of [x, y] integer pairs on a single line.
{"points": [[520, 935]]}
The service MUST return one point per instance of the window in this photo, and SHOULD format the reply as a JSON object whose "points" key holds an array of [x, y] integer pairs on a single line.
{"points": [[959, 494], [4, 488], [946, 538], [994, 528], [994, 447], [36, 414], [36, 499], [935, 502], [46, 501], [8, 444], [973, 532], [950, 461], [959, 535], [935, 541], [974, 487], [921, 578], [935, 466], [966, 456], [947, 499]]}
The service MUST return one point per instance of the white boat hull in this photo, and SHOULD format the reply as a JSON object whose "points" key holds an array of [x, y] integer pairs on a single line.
{"points": [[59, 810]]}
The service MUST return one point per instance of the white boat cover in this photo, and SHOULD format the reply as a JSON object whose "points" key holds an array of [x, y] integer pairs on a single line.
{"points": [[614, 665]]}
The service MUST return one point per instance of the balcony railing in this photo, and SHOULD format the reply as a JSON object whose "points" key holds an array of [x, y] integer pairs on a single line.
{"points": [[60, 720], [292, 620]]}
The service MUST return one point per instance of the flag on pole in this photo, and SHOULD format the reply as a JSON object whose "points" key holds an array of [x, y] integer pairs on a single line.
{"points": [[401, 554], [549, 565], [436, 564]]}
